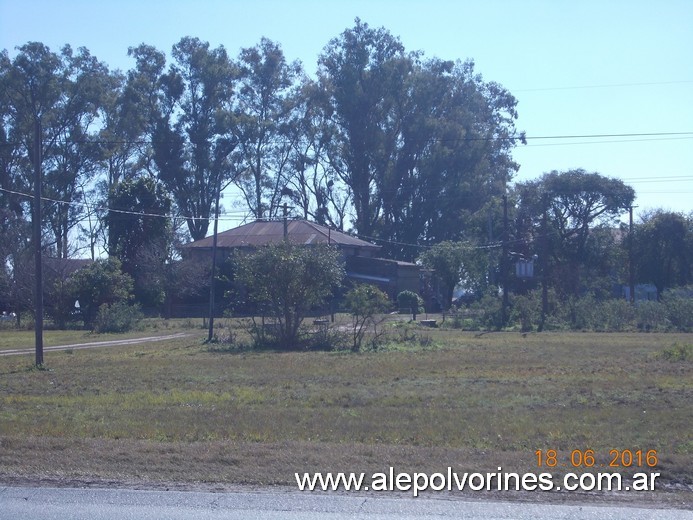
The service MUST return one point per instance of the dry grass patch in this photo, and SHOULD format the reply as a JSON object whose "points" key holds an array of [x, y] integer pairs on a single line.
{"points": [[180, 413]]}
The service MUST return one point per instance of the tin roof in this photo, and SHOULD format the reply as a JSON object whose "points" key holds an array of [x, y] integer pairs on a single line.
{"points": [[260, 233]]}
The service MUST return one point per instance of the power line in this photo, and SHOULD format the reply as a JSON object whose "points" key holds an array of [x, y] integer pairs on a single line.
{"points": [[612, 141], [120, 211], [682, 178], [596, 136], [612, 85], [662, 135]]}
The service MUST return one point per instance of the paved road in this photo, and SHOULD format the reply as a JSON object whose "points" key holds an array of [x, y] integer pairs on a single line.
{"points": [[95, 344], [23, 503]]}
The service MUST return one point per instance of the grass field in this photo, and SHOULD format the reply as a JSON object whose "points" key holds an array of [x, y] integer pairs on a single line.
{"points": [[178, 412]]}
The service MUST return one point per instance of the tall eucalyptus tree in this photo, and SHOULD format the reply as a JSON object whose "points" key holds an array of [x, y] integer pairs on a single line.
{"points": [[265, 125], [422, 145], [62, 94], [188, 110]]}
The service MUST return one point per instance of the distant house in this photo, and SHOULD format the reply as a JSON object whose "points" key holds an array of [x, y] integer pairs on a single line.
{"points": [[360, 257], [261, 233]]}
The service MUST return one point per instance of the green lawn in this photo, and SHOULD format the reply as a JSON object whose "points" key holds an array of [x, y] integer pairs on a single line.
{"points": [[178, 412]]}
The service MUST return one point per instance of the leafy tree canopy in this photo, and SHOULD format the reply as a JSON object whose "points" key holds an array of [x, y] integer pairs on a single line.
{"points": [[102, 282], [285, 281], [663, 249]]}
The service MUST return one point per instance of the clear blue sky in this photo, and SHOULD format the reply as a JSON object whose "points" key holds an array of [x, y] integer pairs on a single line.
{"points": [[576, 67]]}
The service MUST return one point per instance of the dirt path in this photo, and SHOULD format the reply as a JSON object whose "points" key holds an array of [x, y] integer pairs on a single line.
{"points": [[95, 344]]}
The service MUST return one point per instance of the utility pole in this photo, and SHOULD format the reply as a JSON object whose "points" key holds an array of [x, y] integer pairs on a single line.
{"points": [[631, 274], [504, 262], [491, 269], [212, 295], [544, 268], [38, 290]]}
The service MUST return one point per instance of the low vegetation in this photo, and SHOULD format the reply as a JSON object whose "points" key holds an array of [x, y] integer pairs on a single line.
{"points": [[587, 313], [186, 412]]}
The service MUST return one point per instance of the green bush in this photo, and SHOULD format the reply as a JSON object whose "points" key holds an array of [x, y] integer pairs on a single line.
{"points": [[117, 317], [490, 309], [366, 303], [678, 352], [651, 316], [526, 310], [679, 310], [411, 301], [580, 313], [616, 315]]}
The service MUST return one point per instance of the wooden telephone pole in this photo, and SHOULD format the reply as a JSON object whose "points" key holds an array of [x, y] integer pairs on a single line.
{"points": [[504, 263], [631, 274], [36, 225], [212, 278]]}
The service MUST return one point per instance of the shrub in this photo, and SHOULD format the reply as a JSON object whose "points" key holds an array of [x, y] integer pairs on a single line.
{"points": [[410, 300], [651, 316], [491, 311], [117, 317], [616, 315], [678, 352], [365, 303], [526, 310], [285, 281], [100, 283], [327, 338], [581, 313], [679, 310]]}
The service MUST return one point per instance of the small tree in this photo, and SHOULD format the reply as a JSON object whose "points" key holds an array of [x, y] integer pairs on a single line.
{"points": [[140, 236], [102, 282], [364, 302], [286, 280], [447, 259], [409, 300]]}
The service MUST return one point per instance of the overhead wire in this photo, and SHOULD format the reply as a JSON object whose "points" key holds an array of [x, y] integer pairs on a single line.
{"points": [[611, 85], [657, 136], [120, 211]]}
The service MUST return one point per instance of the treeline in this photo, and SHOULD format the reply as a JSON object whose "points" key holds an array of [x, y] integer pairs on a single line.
{"points": [[404, 150], [406, 147]]}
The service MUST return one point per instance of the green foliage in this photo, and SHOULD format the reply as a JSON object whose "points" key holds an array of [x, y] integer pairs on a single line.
{"points": [[64, 92], [410, 301], [418, 150], [574, 202], [616, 315], [678, 352], [489, 311], [651, 316], [412, 137], [586, 313], [364, 303], [462, 319], [447, 259], [102, 282], [526, 309], [139, 236], [188, 114], [663, 249], [117, 317], [285, 281], [266, 130], [679, 308]]}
